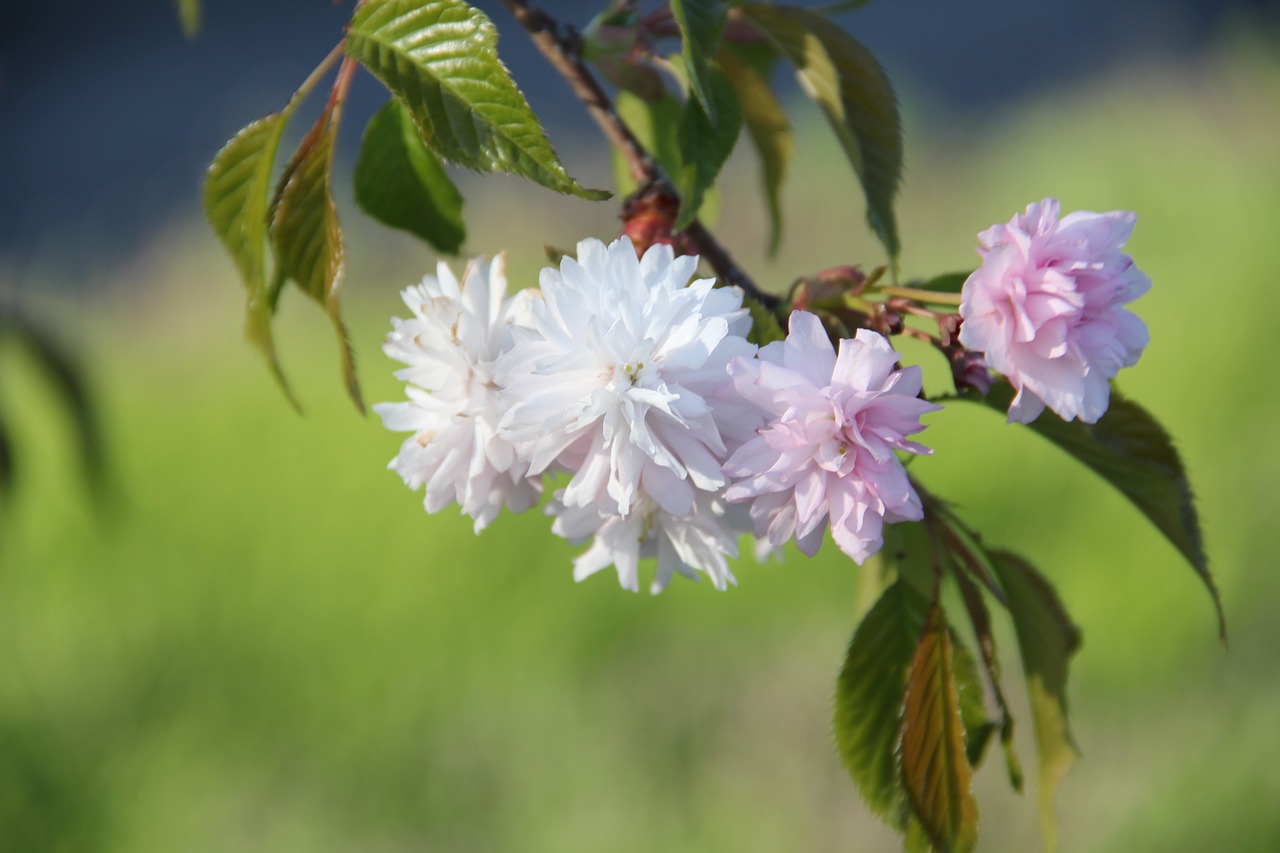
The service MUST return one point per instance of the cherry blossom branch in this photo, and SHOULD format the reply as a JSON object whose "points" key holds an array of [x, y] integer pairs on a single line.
{"points": [[560, 46]]}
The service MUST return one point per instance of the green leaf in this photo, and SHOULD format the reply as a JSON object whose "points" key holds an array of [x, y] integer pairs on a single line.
{"points": [[403, 185], [701, 24], [236, 192], [6, 463], [654, 123], [189, 16], [947, 283], [847, 82], [1047, 639], [440, 58], [767, 126], [705, 146], [978, 727], [765, 328], [935, 769], [1130, 450], [869, 697], [307, 238]]}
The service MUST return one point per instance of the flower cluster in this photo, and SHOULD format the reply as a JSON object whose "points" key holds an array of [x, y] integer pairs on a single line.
{"points": [[1047, 308], [635, 382], [670, 436]]}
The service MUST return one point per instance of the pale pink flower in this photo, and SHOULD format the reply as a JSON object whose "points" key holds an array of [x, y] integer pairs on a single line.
{"points": [[1046, 308], [450, 344], [827, 452]]}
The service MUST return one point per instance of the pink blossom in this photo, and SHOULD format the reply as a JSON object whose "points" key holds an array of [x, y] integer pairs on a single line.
{"points": [[1046, 308], [827, 451]]}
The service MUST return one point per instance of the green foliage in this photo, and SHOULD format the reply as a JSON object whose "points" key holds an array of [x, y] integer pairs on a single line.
{"points": [[769, 131], [946, 283], [869, 697], [1047, 639], [765, 328], [654, 123], [705, 145], [307, 238], [701, 24], [1131, 451], [189, 16], [935, 767], [440, 58], [847, 82], [403, 185]]}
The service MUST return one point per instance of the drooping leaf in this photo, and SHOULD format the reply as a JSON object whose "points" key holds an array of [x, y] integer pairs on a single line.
{"points": [[440, 58], [189, 16], [704, 146], [307, 239], [654, 124], [701, 24], [851, 88], [403, 185], [980, 618], [935, 767], [236, 192], [978, 726], [767, 126], [1130, 450], [1046, 639], [869, 697]]}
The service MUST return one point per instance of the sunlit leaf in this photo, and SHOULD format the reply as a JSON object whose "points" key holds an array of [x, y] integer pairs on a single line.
{"points": [[704, 146], [767, 126], [1129, 448], [401, 184], [978, 726], [237, 188], [654, 124], [701, 24], [935, 768], [189, 16], [440, 58], [847, 82], [869, 697], [946, 283], [765, 328], [307, 238], [1046, 639]]}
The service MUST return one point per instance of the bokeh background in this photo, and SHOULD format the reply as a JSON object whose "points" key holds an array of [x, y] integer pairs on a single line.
{"points": [[258, 641]]}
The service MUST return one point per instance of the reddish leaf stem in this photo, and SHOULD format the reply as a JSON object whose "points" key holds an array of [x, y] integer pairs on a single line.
{"points": [[560, 46]]}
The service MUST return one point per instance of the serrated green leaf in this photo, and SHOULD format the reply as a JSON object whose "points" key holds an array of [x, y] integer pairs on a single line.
{"points": [[770, 133], [847, 82], [1046, 639], [935, 769], [1131, 451], [978, 726], [306, 236], [869, 697], [704, 146], [403, 185], [701, 24], [236, 192], [440, 58], [189, 16]]}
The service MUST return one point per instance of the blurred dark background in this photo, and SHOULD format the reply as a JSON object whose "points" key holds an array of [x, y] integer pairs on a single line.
{"points": [[108, 115]]}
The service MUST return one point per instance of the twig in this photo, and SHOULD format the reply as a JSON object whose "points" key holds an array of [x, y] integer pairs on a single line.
{"points": [[560, 47]]}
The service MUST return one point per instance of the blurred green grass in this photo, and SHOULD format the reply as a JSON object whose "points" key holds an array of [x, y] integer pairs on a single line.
{"points": [[262, 643]]}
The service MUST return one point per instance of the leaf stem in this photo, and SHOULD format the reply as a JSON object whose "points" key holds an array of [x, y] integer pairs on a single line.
{"points": [[921, 295], [560, 47]]}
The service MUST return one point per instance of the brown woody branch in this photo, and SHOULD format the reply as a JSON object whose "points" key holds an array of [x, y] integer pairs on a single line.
{"points": [[560, 45]]}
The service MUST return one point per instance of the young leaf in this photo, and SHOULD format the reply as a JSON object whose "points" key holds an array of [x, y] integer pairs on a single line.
{"points": [[701, 24], [935, 767], [1046, 639], [236, 191], [189, 16], [307, 238], [950, 282], [440, 58], [869, 691], [847, 82], [654, 123], [770, 133], [403, 185], [765, 328], [705, 146], [1130, 450]]}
